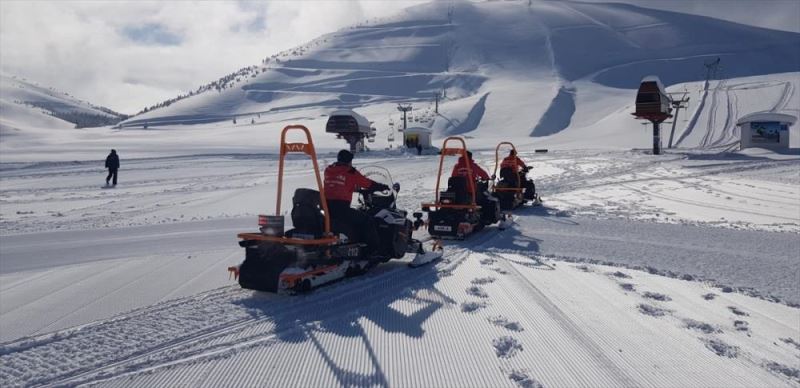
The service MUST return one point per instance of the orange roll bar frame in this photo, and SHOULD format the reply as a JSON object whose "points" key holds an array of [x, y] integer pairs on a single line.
{"points": [[308, 149], [497, 164], [448, 151]]}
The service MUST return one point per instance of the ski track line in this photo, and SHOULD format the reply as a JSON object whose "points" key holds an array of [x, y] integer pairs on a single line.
{"points": [[27, 279], [53, 292], [786, 95], [693, 121], [146, 203], [705, 204], [712, 115], [89, 192], [644, 379], [716, 188], [651, 378], [572, 329], [751, 311], [237, 343], [213, 266], [728, 118], [557, 188], [685, 348], [227, 328], [29, 342], [108, 293], [451, 264]]}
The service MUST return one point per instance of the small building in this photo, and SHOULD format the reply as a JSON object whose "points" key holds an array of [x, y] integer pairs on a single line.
{"points": [[417, 135], [765, 130]]}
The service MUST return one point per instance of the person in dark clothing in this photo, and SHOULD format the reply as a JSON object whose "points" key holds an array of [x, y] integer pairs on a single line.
{"points": [[341, 181], [112, 164], [419, 149]]}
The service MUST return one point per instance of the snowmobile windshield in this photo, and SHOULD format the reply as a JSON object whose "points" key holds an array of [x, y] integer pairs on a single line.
{"points": [[380, 175]]}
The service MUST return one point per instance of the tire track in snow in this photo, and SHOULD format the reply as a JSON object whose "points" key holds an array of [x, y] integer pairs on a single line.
{"points": [[704, 204], [188, 348], [221, 349], [108, 293], [572, 329], [786, 96], [53, 292]]}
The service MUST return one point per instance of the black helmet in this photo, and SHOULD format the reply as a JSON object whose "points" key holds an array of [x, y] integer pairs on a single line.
{"points": [[469, 155], [344, 156], [512, 153]]}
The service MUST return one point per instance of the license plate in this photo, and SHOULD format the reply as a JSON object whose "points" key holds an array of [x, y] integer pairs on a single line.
{"points": [[442, 228]]}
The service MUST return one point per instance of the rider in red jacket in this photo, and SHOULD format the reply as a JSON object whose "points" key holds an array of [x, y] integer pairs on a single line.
{"points": [[517, 173], [513, 161], [341, 181], [460, 169]]}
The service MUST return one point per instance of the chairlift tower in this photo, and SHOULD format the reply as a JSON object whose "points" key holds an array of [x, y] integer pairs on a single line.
{"points": [[677, 105], [405, 109], [711, 70], [654, 105]]}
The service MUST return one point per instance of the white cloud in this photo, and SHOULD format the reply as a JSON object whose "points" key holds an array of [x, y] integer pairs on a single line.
{"points": [[128, 55], [91, 49]]}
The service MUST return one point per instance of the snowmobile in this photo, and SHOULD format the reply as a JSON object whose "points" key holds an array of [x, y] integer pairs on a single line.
{"points": [[508, 187], [311, 253], [457, 212]]}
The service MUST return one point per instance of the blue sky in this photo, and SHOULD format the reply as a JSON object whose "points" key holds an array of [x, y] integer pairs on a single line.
{"points": [[130, 54], [152, 34]]}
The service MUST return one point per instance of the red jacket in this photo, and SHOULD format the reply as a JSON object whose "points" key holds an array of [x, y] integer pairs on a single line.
{"points": [[513, 162], [342, 180], [477, 172], [461, 169]]}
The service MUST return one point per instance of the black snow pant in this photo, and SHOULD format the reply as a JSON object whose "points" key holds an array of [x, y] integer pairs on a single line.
{"points": [[112, 172], [356, 225]]}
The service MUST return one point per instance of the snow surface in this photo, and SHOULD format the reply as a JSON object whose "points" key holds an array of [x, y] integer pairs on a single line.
{"points": [[638, 270], [139, 273]]}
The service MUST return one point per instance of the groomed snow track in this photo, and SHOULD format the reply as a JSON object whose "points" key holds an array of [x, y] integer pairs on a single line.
{"points": [[398, 326]]}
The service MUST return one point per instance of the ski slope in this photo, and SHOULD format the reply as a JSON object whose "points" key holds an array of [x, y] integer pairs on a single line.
{"points": [[139, 273]]}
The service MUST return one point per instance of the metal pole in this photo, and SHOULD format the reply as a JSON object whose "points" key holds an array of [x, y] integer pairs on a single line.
{"points": [[656, 138]]}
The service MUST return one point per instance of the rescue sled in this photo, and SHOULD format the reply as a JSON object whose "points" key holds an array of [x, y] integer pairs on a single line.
{"points": [[315, 251], [456, 213]]}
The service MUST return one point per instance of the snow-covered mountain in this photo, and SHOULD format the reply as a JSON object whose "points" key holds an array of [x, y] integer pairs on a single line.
{"points": [[25, 104], [505, 69], [637, 269]]}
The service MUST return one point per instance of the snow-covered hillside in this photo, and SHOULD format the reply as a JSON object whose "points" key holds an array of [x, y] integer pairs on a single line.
{"points": [[24, 104], [528, 69]]}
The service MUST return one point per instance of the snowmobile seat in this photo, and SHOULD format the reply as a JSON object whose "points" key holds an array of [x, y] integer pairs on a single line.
{"points": [[307, 215], [458, 186]]}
